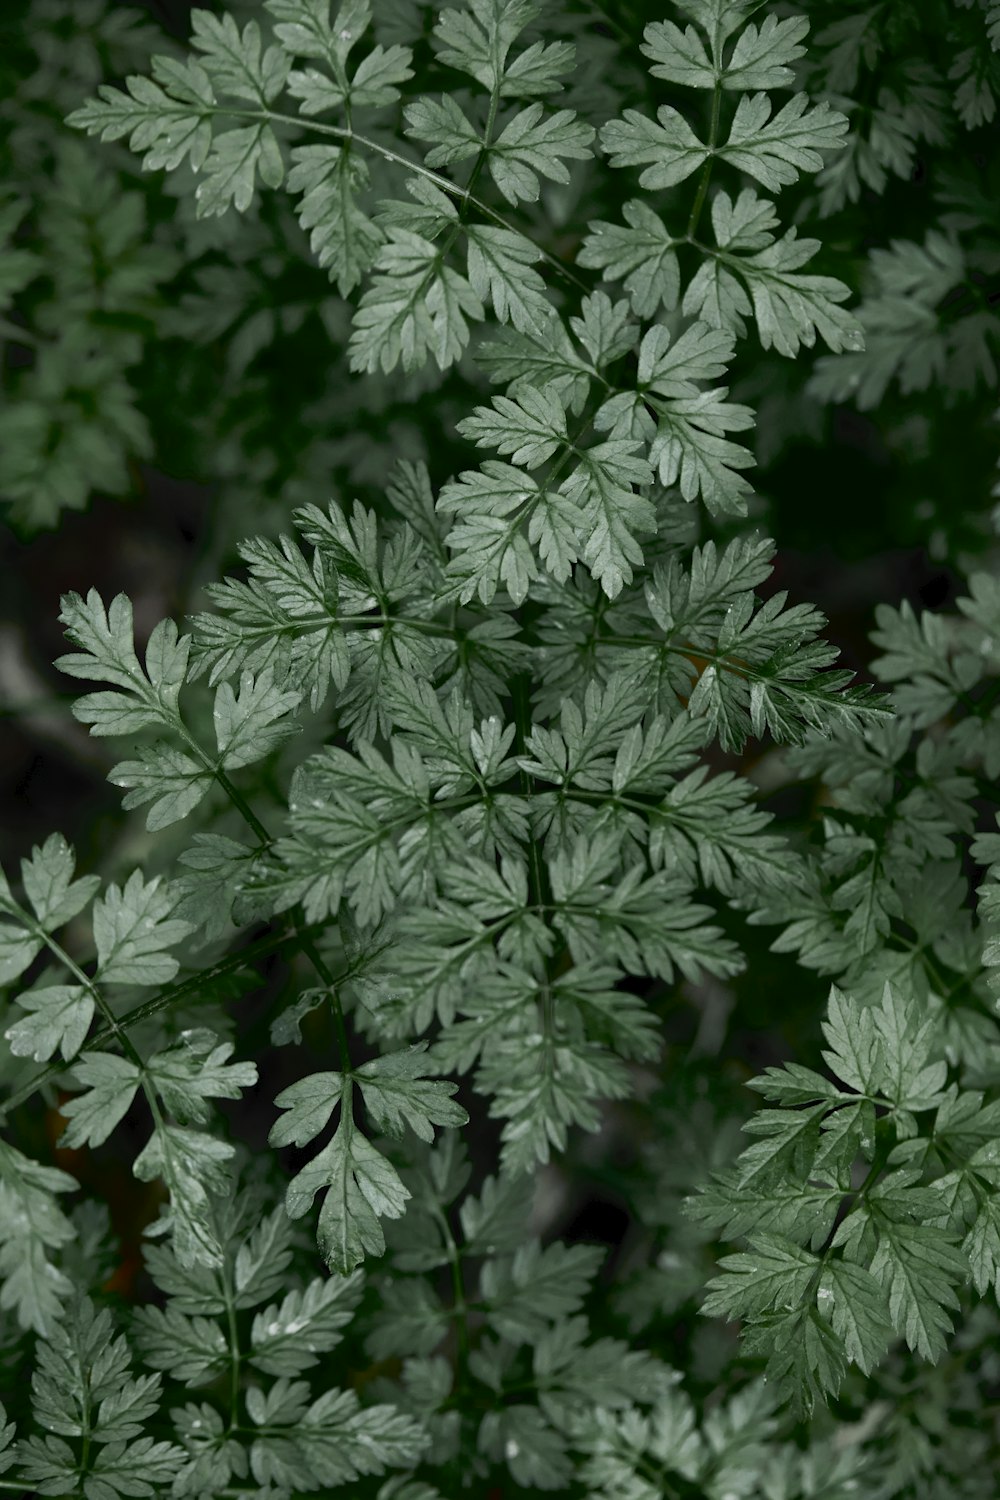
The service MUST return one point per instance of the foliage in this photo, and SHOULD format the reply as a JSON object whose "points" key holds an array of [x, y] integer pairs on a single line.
{"points": [[447, 883]]}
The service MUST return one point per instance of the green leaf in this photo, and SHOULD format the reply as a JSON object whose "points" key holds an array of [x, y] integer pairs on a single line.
{"points": [[412, 1320], [47, 877], [709, 823], [110, 1085], [191, 1350], [330, 1442], [904, 338], [263, 1258], [478, 39], [907, 1077], [285, 617], [442, 122], [642, 256], [789, 1142], [570, 1371], [604, 328], [611, 514], [774, 1273], [580, 752], [554, 528], [790, 306], [500, 269], [48, 882], [361, 1186], [920, 1268], [805, 1359], [673, 366], [195, 1070], [310, 1104], [537, 70], [982, 1247], [775, 150], [537, 359], [174, 782], [396, 1095], [84, 1388], [305, 29], [535, 1453], [87, 1366], [758, 61], [761, 57], [679, 56], [644, 923], [856, 1304], [168, 117], [530, 428], [341, 235], [535, 1288], [493, 551], [667, 149], [108, 655], [32, 1227], [250, 723], [18, 950], [691, 450], [540, 1087], [850, 1030], [534, 145], [287, 1339], [193, 1166], [235, 60], [415, 307], [58, 1020], [18, 267], [7, 1431], [230, 172], [802, 1212], [133, 929]]}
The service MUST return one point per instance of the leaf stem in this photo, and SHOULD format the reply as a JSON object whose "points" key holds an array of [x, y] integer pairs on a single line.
{"points": [[234, 1349], [706, 171], [194, 983], [89, 984], [459, 1304], [388, 154]]}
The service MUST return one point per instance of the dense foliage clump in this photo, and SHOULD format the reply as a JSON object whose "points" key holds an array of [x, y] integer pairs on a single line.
{"points": [[521, 350]]}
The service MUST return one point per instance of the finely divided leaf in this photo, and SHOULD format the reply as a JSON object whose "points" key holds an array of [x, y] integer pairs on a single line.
{"points": [[110, 1084], [775, 150], [341, 235], [668, 149], [642, 256], [133, 929], [396, 1094], [288, 1338]]}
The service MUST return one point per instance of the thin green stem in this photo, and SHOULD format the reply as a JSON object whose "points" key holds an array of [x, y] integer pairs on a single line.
{"points": [[89, 984], [883, 1149], [242, 806], [453, 189], [459, 1304], [308, 947], [194, 984], [234, 1349], [329, 980], [706, 171], [213, 766]]}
